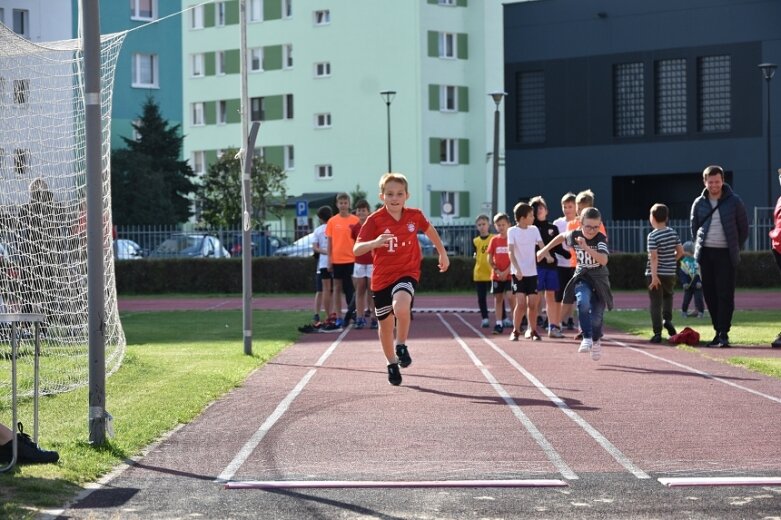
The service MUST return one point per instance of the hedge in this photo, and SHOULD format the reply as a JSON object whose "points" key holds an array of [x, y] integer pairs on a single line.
{"points": [[296, 275]]}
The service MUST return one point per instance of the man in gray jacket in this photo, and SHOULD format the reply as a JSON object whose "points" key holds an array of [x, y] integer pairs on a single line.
{"points": [[719, 225]]}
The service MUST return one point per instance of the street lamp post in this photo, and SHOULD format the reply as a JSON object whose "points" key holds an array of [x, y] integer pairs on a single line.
{"points": [[768, 70], [497, 97], [388, 96]]}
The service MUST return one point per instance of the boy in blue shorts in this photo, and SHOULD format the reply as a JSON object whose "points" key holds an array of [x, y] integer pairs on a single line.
{"points": [[547, 275]]}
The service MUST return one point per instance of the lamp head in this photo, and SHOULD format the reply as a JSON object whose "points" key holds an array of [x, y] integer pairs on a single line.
{"points": [[388, 96], [768, 70], [497, 97]]}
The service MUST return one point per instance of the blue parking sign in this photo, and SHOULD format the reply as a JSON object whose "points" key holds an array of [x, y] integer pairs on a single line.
{"points": [[301, 208]]}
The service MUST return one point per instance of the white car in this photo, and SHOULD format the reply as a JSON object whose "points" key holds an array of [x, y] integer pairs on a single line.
{"points": [[127, 250], [191, 245], [301, 247]]}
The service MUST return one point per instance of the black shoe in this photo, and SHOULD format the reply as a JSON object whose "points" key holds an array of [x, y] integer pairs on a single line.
{"points": [[570, 324], [656, 338], [394, 374], [498, 329], [403, 354], [724, 341], [27, 451], [668, 326], [776, 342]]}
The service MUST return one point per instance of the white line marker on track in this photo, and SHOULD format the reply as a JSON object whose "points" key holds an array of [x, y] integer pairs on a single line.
{"points": [[608, 446], [404, 484], [720, 481], [282, 407], [697, 371], [536, 434]]}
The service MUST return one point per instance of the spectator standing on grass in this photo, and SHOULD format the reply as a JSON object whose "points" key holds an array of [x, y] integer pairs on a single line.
{"points": [[481, 273], [341, 259], [391, 234], [664, 249], [719, 225], [775, 238]]}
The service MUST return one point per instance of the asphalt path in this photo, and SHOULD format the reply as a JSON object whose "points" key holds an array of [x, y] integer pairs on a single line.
{"points": [[474, 411]]}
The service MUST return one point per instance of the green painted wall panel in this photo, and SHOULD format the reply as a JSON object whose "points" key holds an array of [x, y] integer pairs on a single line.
{"points": [[461, 3], [463, 151], [210, 112], [232, 61], [463, 203], [433, 44], [209, 64], [272, 9], [275, 155], [232, 12], [462, 51], [436, 197], [433, 150], [273, 106], [272, 57], [208, 15], [433, 1], [463, 99], [233, 109], [211, 157], [433, 97]]}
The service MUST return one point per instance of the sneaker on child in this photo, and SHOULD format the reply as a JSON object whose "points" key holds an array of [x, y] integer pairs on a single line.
{"points": [[596, 350], [394, 374], [402, 352], [498, 329], [485, 323], [585, 345], [555, 332]]}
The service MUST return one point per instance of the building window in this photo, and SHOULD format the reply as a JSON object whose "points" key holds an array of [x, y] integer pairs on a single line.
{"points": [[322, 17], [219, 14], [628, 100], [257, 111], [219, 62], [714, 91], [222, 112], [197, 65], [287, 57], [197, 114], [144, 71], [22, 161], [198, 162], [290, 158], [447, 2], [21, 91], [136, 125], [196, 17], [322, 70], [447, 45], [22, 22], [448, 151], [256, 59], [448, 98], [143, 9], [287, 8], [531, 107], [670, 91], [323, 120], [324, 171], [448, 204], [2, 15], [288, 106], [255, 10]]}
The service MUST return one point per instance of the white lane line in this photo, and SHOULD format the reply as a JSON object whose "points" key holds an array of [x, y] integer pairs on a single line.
{"points": [[608, 446], [697, 371], [720, 481], [391, 484], [536, 434], [282, 407]]}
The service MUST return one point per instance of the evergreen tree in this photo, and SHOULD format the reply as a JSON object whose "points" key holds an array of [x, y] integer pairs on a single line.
{"points": [[150, 183], [220, 192]]}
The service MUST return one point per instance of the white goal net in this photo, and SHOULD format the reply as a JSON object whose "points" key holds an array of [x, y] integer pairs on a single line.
{"points": [[43, 240]]}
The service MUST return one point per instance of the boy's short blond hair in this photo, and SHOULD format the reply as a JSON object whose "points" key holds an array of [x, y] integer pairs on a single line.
{"points": [[568, 197], [483, 216], [501, 216], [343, 196], [585, 198], [393, 177]]}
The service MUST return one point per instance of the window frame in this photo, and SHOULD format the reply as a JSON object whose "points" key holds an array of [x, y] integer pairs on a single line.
{"points": [[197, 17], [197, 65], [322, 17], [135, 10], [261, 108], [443, 98], [219, 63], [324, 172], [323, 120], [444, 39], [222, 112], [288, 107], [219, 14], [198, 159], [24, 15], [136, 71], [260, 55], [448, 151], [324, 65], [287, 56], [255, 11], [289, 154], [197, 113], [287, 9]]}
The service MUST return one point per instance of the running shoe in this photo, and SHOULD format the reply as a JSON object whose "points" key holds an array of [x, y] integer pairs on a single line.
{"points": [[515, 335], [535, 336], [360, 323], [374, 324], [507, 323], [485, 323], [585, 345], [402, 352], [596, 350], [528, 333], [656, 338], [498, 329], [570, 324], [555, 332], [394, 374]]}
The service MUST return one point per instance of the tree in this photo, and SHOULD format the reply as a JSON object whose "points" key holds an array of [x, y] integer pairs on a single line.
{"points": [[150, 183], [220, 191]]}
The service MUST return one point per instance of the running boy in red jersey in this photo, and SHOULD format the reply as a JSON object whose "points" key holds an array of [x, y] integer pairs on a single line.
{"points": [[391, 234]]}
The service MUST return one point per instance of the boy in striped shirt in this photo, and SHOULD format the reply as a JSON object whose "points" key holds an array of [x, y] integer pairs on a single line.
{"points": [[664, 250]]}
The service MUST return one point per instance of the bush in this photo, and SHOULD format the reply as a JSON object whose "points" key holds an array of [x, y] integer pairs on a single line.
{"points": [[296, 275]]}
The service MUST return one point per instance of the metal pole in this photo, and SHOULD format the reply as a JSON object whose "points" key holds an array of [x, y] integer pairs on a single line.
{"points": [[387, 109], [495, 178], [769, 168], [246, 187], [90, 22]]}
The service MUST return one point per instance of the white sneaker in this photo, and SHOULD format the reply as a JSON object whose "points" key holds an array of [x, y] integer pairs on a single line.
{"points": [[596, 350], [585, 345]]}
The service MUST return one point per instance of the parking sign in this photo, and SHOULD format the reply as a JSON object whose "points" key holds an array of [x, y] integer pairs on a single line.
{"points": [[301, 208]]}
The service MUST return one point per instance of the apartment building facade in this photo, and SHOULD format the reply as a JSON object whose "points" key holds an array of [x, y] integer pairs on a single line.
{"points": [[315, 73], [38, 20]]}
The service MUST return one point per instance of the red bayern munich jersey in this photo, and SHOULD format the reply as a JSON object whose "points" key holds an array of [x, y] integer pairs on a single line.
{"points": [[401, 256], [498, 248]]}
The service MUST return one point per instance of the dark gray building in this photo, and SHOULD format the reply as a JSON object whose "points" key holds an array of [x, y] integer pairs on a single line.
{"points": [[633, 98]]}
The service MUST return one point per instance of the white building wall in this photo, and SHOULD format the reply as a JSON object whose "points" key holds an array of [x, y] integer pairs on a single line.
{"points": [[49, 20]]}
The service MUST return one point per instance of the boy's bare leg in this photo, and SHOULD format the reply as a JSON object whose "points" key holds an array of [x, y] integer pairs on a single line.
{"points": [[498, 306], [327, 297], [554, 318], [402, 308], [318, 302], [385, 333], [532, 302], [519, 311], [360, 296]]}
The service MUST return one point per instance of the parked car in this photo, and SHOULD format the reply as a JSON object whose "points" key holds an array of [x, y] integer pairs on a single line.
{"points": [[301, 247], [263, 244], [128, 250], [427, 246], [191, 245]]}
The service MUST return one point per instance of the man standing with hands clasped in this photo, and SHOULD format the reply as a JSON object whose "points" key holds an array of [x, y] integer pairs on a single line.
{"points": [[719, 226]]}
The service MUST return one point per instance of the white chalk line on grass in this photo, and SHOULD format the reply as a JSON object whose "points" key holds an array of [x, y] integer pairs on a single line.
{"points": [[536, 434], [697, 371], [281, 408], [608, 446]]}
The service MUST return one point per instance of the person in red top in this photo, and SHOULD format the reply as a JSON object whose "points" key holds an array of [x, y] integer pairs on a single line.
{"points": [[499, 260], [391, 234], [775, 238], [362, 272]]}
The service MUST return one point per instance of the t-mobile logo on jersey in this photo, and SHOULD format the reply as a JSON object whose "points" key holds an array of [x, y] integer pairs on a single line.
{"points": [[392, 244]]}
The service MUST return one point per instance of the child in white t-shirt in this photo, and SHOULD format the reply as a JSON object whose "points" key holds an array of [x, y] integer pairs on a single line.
{"points": [[523, 239]]}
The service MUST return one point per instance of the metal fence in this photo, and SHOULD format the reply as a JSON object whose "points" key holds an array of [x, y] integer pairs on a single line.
{"points": [[625, 236]]}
